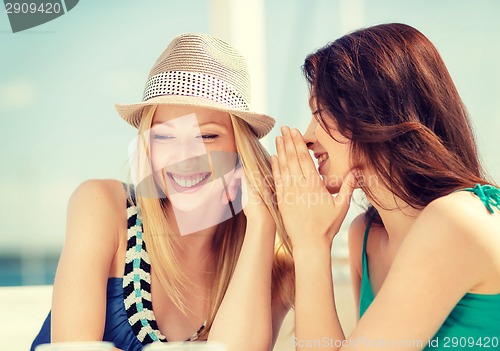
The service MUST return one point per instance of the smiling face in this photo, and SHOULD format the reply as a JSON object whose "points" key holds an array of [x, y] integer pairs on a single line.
{"points": [[190, 148], [332, 151]]}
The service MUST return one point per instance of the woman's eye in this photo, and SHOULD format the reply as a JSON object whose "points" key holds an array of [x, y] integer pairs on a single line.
{"points": [[209, 136]]}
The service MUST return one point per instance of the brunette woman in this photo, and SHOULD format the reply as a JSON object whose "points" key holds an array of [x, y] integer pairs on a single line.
{"points": [[387, 118]]}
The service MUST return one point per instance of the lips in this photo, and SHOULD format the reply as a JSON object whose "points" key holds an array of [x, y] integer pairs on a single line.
{"points": [[183, 182]]}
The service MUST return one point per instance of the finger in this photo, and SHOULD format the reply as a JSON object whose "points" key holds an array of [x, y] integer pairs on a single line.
{"points": [[343, 199], [291, 153], [306, 162], [277, 176], [282, 162]]}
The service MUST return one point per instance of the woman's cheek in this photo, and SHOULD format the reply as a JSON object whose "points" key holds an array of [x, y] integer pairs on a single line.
{"points": [[332, 181], [336, 175], [160, 158]]}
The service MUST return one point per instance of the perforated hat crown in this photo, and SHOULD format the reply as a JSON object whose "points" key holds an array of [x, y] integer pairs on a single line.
{"points": [[203, 71]]}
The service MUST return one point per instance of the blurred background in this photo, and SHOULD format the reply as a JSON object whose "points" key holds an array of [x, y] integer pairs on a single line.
{"points": [[59, 81]]}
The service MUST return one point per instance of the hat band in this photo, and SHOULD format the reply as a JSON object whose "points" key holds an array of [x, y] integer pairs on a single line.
{"points": [[194, 84]]}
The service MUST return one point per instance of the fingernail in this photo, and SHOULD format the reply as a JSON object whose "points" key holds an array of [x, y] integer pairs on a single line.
{"points": [[293, 132], [284, 130]]}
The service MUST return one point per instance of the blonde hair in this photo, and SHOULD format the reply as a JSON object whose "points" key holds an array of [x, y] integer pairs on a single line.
{"points": [[160, 237]]}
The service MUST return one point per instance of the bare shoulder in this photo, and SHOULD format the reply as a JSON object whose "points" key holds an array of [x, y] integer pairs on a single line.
{"points": [[100, 192], [465, 214], [464, 230], [109, 188], [101, 201]]}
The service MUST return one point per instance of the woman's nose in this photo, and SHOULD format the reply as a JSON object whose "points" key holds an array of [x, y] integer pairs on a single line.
{"points": [[309, 136], [185, 155]]}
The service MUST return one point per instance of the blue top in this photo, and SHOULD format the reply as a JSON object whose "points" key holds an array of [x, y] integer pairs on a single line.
{"points": [[475, 317], [130, 321], [117, 328]]}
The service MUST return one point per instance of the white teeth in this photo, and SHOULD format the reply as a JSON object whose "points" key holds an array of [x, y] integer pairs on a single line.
{"points": [[188, 183], [322, 158]]}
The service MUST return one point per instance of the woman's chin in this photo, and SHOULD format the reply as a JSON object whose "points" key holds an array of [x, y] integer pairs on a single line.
{"points": [[331, 183], [332, 187]]}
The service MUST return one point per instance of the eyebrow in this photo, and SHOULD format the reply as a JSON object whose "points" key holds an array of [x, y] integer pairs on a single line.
{"points": [[213, 123]]}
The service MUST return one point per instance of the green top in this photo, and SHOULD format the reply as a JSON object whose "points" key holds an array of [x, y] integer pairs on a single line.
{"points": [[474, 323]]}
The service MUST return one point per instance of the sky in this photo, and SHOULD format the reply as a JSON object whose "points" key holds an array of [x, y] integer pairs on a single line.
{"points": [[59, 82]]}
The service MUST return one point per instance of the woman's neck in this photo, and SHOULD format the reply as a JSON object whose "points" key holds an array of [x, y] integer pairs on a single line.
{"points": [[397, 215], [195, 249]]}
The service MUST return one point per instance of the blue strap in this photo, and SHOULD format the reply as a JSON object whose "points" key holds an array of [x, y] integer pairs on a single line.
{"points": [[488, 194]]}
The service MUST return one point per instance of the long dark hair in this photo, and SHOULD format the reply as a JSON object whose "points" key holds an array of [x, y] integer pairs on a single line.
{"points": [[387, 89]]}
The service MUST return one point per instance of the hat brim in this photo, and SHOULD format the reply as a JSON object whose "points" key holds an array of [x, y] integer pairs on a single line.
{"points": [[132, 113]]}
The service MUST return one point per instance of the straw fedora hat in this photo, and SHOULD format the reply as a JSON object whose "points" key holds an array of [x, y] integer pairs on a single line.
{"points": [[203, 71]]}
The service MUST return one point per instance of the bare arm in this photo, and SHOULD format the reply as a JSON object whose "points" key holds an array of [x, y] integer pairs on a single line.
{"points": [[79, 296], [311, 225], [314, 297], [246, 319], [356, 233], [243, 321]]}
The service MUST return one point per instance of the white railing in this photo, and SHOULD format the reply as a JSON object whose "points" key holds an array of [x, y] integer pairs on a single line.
{"points": [[23, 310]]}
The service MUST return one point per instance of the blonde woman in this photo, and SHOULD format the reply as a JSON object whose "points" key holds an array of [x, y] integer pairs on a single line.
{"points": [[189, 252]]}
